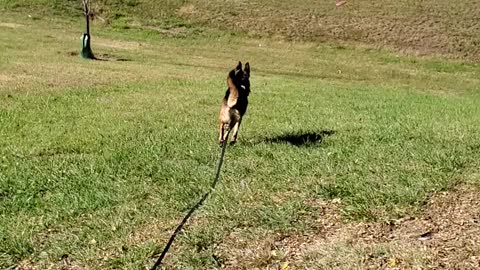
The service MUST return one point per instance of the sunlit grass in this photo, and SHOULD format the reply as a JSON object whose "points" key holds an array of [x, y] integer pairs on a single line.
{"points": [[100, 159]]}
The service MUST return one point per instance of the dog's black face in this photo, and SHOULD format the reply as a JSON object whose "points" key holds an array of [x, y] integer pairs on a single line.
{"points": [[241, 78]]}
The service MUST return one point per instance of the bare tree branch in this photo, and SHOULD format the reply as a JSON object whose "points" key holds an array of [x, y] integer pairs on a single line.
{"points": [[86, 7]]}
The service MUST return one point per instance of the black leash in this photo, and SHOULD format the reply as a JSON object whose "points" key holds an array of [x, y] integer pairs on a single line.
{"points": [[194, 208]]}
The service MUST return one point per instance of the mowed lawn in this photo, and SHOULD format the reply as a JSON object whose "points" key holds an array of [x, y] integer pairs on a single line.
{"points": [[99, 160]]}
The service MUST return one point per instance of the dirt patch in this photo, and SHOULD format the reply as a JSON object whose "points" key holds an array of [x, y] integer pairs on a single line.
{"points": [[187, 10], [64, 264], [171, 32], [116, 44], [446, 235], [245, 249], [14, 78], [11, 25], [5, 78]]}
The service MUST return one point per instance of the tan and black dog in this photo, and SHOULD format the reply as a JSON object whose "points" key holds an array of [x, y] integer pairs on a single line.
{"points": [[235, 102]]}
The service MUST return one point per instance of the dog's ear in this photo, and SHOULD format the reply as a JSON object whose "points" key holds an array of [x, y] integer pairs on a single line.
{"points": [[247, 69], [239, 67]]}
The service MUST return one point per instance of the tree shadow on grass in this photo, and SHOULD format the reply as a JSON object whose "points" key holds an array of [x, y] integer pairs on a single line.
{"points": [[109, 57], [301, 139], [102, 57]]}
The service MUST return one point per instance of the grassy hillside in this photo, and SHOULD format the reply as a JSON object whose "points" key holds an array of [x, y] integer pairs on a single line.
{"points": [[421, 27], [100, 159]]}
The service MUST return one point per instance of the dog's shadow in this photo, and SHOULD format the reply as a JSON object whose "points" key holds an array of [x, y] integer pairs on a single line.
{"points": [[301, 139]]}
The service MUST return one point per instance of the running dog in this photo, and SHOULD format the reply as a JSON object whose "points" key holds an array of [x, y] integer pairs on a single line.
{"points": [[235, 102]]}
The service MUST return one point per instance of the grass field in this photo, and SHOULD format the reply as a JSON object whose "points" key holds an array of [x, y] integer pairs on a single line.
{"points": [[427, 27], [99, 160]]}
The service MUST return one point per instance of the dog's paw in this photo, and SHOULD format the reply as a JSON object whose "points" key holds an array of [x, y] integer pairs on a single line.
{"points": [[233, 142]]}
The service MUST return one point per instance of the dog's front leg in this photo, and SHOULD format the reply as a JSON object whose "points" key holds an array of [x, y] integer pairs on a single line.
{"points": [[235, 131], [221, 133], [226, 131]]}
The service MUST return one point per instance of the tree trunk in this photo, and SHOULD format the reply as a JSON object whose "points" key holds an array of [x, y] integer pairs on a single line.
{"points": [[87, 21], [86, 49]]}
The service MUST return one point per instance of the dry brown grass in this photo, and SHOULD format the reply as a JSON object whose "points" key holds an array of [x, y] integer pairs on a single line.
{"points": [[445, 235], [420, 27]]}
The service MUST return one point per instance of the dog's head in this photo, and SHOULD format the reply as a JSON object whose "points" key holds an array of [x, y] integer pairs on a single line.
{"points": [[239, 78]]}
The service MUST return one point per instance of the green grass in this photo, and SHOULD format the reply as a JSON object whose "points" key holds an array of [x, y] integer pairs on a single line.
{"points": [[100, 160]]}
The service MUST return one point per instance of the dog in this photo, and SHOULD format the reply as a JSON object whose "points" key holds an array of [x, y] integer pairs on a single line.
{"points": [[235, 102]]}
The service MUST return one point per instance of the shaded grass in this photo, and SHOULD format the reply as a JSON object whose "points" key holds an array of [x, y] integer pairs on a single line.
{"points": [[100, 159]]}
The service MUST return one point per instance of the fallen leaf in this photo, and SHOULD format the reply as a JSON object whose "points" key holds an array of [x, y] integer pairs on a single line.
{"points": [[392, 262]]}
